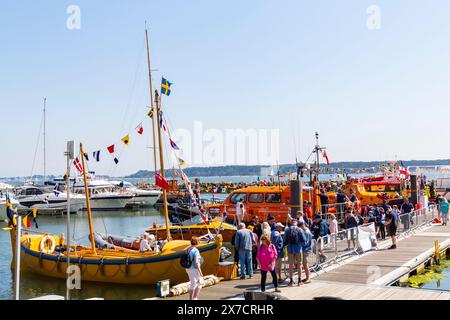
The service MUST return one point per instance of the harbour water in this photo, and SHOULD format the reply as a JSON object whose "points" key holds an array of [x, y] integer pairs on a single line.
{"points": [[127, 222]]}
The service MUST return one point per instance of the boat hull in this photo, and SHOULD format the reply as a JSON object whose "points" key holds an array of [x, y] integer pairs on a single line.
{"points": [[121, 267], [108, 203]]}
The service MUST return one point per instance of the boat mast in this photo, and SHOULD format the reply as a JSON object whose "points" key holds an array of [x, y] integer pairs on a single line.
{"points": [[151, 99], [45, 164], [316, 178], [161, 159], [88, 201]]}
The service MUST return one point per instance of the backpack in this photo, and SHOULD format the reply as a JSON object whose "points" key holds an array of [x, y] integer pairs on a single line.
{"points": [[293, 236], [186, 260]]}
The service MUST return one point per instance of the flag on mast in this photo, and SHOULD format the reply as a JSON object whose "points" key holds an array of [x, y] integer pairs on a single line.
{"points": [[161, 182], [165, 87], [324, 154]]}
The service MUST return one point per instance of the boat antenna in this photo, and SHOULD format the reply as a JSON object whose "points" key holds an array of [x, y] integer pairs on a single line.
{"points": [[161, 159], [151, 111], [45, 159]]}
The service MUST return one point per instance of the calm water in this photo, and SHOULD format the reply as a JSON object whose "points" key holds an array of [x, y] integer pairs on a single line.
{"points": [[128, 222]]}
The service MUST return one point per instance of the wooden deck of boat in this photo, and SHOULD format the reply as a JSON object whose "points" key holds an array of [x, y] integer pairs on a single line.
{"points": [[355, 278]]}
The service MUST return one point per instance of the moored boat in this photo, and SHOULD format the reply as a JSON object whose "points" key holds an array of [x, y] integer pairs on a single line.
{"points": [[46, 254]]}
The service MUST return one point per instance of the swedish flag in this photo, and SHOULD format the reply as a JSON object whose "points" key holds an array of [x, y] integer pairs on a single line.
{"points": [[165, 87]]}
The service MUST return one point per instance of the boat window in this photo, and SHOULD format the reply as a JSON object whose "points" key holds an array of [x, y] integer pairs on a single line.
{"points": [[273, 197], [33, 191], [235, 198], [255, 197]]}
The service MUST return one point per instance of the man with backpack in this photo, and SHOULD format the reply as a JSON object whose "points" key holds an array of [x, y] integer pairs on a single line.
{"points": [[294, 238]]}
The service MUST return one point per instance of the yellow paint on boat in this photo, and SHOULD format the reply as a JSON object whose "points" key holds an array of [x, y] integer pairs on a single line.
{"points": [[116, 265]]}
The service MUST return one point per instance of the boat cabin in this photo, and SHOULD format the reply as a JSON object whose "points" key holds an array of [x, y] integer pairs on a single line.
{"points": [[261, 201]]}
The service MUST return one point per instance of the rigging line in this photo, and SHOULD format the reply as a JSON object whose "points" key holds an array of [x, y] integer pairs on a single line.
{"points": [[174, 151], [37, 146], [133, 85]]}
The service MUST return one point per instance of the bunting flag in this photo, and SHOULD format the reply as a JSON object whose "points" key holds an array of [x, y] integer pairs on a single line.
{"points": [[150, 113], [204, 218], [161, 182], [111, 149], [126, 140], [78, 165], [162, 122], [173, 145], [34, 217], [324, 154], [26, 222], [165, 87], [116, 160], [86, 156], [96, 155], [181, 162], [9, 210], [140, 129]]}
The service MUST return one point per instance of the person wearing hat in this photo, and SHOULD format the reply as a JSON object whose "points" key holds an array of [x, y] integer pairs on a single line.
{"points": [[277, 240]]}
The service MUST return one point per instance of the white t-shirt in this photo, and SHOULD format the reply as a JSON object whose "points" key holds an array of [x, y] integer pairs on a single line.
{"points": [[239, 210], [144, 246], [333, 226]]}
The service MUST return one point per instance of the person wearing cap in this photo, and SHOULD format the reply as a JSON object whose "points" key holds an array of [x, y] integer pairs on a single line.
{"points": [[277, 240]]}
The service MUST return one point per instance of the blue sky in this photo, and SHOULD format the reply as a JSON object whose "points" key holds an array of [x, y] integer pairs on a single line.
{"points": [[297, 66]]}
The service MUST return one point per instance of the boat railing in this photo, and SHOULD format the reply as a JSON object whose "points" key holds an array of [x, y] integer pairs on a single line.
{"points": [[336, 247]]}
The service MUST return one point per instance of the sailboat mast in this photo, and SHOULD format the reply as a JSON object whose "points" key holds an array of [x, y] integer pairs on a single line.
{"points": [[45, 154], [88, 201], [161, 159], [152, 118]]}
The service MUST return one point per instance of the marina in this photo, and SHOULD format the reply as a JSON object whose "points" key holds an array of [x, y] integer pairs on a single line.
{"points": [[225, 159]]}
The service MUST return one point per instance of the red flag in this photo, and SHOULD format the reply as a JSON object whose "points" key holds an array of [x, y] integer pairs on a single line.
{"points": [[324, 154], [78, 165], [26, 222], [140, 129], [161, 182], [111, 149], [203, 217]]}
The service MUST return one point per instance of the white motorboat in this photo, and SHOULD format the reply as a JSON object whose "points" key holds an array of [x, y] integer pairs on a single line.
{"points": [[103, 195], [141, 197], [32, 197]]}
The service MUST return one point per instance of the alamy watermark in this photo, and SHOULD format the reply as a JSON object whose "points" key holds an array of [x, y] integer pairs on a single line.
{"points": [[239, 146], [73, 21], [374, 19]]}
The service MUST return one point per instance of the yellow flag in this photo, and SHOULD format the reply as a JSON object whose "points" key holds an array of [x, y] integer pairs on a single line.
{"points": [[150, 113], [126, 140]]}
